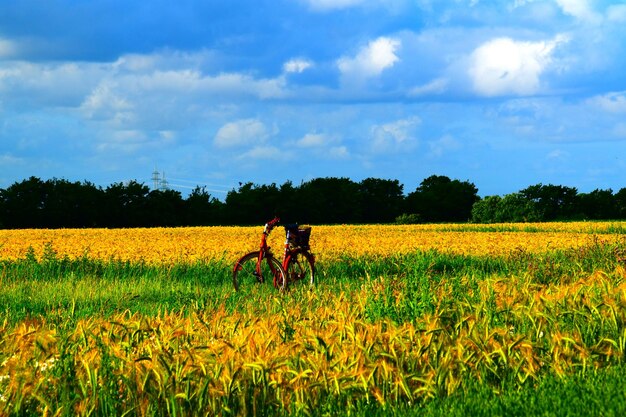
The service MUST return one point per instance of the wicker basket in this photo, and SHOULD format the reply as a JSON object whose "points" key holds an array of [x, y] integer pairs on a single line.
{"points": [[299, 237]]}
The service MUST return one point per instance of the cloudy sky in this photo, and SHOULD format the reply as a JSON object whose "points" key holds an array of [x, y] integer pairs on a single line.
{"points": [[503, 93]]}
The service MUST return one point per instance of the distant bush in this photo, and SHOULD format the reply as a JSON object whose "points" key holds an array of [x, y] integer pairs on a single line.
{"points": [[405, 218]]}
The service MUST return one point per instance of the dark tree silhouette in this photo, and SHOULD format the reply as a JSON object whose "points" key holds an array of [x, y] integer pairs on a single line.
{"points": [[56, 203], [252, 204], [381, 200], [25, 204], [126, 204], [440, 199], [329, 201], [598, 204], [552, 201], [620, 203], [164, 208], [201, 209]]}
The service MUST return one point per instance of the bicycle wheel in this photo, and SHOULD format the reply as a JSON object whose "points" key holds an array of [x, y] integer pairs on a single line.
{"points": [[300, 267], [245, 272]]}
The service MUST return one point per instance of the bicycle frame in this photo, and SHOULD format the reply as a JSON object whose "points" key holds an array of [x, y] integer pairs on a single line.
{"points": [[264, 249]]}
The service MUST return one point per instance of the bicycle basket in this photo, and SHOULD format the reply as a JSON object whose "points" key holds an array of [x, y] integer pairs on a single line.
{"points": [[299, 237]]}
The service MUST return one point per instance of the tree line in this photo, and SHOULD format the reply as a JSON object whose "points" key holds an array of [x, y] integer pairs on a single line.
{"points": [[59, 203]]}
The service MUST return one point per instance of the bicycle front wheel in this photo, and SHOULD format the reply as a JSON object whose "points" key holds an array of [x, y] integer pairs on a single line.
{"points": [[246, 273], [300, 266]]}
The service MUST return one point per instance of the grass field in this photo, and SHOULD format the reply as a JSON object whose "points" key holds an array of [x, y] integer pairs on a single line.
{"points": [[404, 320]]}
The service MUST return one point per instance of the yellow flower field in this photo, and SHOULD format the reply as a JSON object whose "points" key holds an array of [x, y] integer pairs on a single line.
{"points": [[405, 334], [188, 245]]}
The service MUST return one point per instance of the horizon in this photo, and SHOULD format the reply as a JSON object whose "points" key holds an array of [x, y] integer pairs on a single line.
{"points": [[504, 94], [221, 194]]}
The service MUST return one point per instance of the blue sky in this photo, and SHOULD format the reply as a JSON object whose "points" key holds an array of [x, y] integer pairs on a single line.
{"points": [[505, 94]]}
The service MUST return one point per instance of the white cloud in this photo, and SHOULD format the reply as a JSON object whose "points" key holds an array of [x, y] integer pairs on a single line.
{"points": [[266, 152], [49, 84], [395, 136], [325, 5], [371, 60], [436, 86], [505, 66], [150, 83], [323, 145], [7, 48], [104, 103], [612, 102], [313, 140], [240, 132], [580, 9], [442, 145], [557, 155], [297, 65], [127, 141], [339, 152], [333, 5], [8, 159], [616, 13]]}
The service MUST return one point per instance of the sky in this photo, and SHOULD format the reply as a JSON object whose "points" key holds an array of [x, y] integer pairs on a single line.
{"points": [[504, 94]]}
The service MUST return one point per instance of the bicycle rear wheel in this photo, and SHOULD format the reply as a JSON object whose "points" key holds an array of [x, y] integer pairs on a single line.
{"points": [[300, 267], [245, 272]]}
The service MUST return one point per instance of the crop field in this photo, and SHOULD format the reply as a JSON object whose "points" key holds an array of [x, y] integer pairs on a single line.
{"points": [[435, 320]]}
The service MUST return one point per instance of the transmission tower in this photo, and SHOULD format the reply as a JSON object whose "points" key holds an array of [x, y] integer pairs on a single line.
{"points": [[164, 185], [155, 179]]}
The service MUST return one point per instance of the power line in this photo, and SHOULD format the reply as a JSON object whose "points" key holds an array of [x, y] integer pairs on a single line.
{"points": [[197, 182]]}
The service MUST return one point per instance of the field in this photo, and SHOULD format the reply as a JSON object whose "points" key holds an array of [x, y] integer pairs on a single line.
{"points": [[506, 319]]}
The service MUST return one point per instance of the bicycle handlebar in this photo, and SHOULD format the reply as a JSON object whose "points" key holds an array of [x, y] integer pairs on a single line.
{"points": [[270, 225]]}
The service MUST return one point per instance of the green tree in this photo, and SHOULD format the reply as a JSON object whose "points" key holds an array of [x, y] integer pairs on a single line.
{"points": [[252, 204], [598, 204], [201, 209], [515, 207], [126, 204], [552, 202], [486, 209], [164, 208], [620, 203], [24, 204], [381, 200], [440, 199], [329, 201]]}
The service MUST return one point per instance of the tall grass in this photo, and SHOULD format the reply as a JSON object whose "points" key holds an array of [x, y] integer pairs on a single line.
{"points": [[422, 333]]}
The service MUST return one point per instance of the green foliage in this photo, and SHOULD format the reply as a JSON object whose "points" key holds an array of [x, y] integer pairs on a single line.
{"points": [[440, 199], [597, 393], [405, 218]]}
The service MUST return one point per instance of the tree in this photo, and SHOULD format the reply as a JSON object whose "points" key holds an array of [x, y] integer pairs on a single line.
{"points": [[598, 204], [328, 201], [126, 204], [440, 199], [252, 204], [381, 200], [72, 204], [552, 202], [164, 208], [620, 203], [24, 204], [201, 209], [515, 207], [485, 210]]}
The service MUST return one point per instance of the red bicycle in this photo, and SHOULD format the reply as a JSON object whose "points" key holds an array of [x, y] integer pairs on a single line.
{"points": [[260, 266]]}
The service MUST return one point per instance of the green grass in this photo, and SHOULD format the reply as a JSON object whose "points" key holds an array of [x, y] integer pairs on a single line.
{"points": [[60, 287], [598, 393], [401, 288]]}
